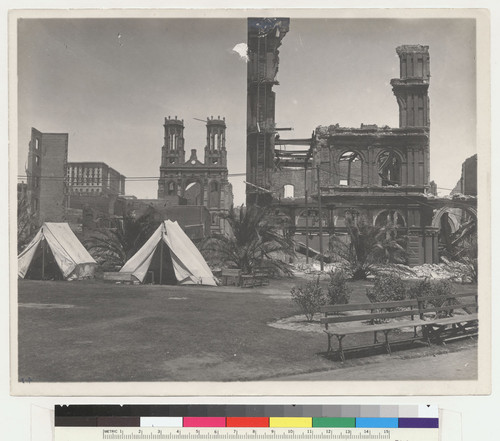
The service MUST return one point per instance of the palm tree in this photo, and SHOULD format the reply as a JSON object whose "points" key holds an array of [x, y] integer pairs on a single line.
{"points": [[368, 247], [112, 247], [255, 242]]}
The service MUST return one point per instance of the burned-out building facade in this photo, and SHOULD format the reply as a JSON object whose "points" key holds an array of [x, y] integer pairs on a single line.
{"points": [[191, 181], [380, 174]]}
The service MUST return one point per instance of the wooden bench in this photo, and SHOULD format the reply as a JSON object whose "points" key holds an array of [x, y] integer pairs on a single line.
{"points": [[443, 323], [258, 277], [118, 277], [339, 326], [231, 276], [435, 316]]}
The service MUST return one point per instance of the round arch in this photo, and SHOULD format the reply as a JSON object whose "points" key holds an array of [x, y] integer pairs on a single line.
{"points": [[193, 191], [400, 218], [436, 219], [345, 150]]}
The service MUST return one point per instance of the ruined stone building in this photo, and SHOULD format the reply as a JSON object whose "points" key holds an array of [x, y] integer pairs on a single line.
{"points": [[380, 174], [191, 181], [46, 189], [264, 39]]}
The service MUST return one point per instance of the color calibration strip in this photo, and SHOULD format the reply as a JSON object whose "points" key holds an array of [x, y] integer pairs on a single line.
{"points": [[368, 416]]}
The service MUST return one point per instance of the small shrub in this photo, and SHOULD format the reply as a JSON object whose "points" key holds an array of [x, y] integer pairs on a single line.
{"points": [[428, 288], [310, 298], [387, 288], [422, 288], [338, 291]]}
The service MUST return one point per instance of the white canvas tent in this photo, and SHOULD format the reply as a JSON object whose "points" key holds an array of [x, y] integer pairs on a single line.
{"points": [[182, 256], [71, 257]]}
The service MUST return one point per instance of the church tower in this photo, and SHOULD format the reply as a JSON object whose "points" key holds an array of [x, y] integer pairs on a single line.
{"points": [[215, 149], [172, 155], [173, 146], [412, 86]]}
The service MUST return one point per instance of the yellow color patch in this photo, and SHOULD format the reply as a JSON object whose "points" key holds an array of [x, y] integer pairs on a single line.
{"points": [[290, 422]]}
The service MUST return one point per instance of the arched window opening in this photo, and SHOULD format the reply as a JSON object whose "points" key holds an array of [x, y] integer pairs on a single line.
{"points": [[215, 219], [288, 191], [194, 193], [351, 217], [390, 218], [350, 169], [389, 168], [171, 188]]}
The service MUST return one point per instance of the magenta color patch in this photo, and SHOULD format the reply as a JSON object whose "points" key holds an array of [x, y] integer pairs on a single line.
{"points": [[204, 422]]}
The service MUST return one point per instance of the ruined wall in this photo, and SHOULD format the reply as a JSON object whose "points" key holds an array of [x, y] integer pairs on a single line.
{"points": [[47, 185], [296, 178], [264, 39], [469, 176]]}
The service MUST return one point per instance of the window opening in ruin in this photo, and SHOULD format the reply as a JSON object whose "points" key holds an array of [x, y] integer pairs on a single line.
{"points": [[37, 160], [37, 144], [288, 191], [194, 193], [215, 219], [390, 218], [351, 217], [171, 188], [214, 194], [350, 169], [389, 168], [171, 160]]}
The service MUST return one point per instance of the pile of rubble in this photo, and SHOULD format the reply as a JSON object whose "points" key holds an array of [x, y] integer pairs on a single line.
{"points": [[454, 271], [314, 268]]}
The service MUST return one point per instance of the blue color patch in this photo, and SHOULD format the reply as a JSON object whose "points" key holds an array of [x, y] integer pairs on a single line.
{"points": [[385, 423]]}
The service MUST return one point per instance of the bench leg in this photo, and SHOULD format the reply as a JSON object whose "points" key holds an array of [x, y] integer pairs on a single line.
{"points": [[330, 349], [375, 340], [341, 350], [425, 335], [387, 345]]}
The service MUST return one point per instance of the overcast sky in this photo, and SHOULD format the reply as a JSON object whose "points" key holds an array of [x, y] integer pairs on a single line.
{"points": [[110, 83]]}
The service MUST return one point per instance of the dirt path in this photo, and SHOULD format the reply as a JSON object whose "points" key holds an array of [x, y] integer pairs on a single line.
{"points": [[461, 365]]}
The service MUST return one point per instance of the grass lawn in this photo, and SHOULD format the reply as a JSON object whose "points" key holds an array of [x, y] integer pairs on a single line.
{"points": [[95, 331]]}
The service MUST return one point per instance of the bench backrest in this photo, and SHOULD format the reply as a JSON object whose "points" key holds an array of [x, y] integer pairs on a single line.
{"points": [[369, 311], [446, 304], [231, 272]]}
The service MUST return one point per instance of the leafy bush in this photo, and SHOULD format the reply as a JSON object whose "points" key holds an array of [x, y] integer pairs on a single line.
{"points": [[310, 298], [338, 291], [387, 288], [428, 288], [422, 288]]}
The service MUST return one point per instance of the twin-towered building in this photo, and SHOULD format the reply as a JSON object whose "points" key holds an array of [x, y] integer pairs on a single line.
{"points": [[192, 181]]}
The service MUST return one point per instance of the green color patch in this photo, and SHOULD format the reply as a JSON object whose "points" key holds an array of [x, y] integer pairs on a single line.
{"points": [[334, 422]]}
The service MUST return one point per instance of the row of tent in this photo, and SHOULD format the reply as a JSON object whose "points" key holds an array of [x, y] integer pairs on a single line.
{"points": [[55, 244]]}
